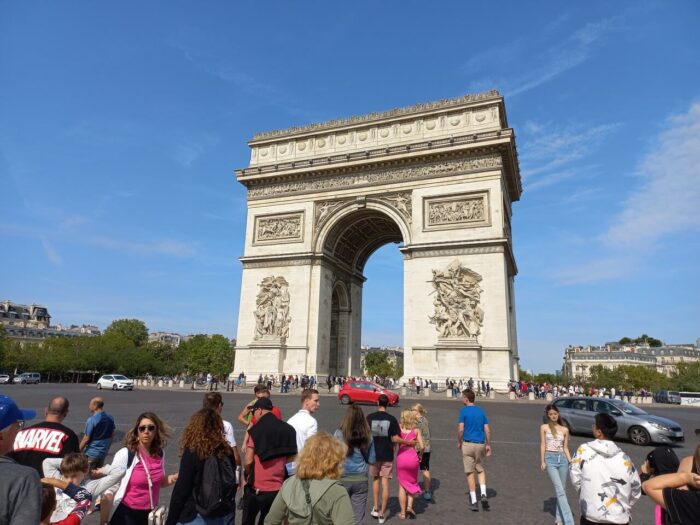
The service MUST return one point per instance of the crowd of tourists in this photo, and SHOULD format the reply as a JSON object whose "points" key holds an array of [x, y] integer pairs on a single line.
{"points": [[290, 472], [540, 390]]}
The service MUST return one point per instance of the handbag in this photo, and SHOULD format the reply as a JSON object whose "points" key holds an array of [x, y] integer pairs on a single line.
{"points": [[159, 513]]}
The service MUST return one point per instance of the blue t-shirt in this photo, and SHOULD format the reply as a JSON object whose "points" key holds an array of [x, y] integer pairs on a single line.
{"points": [[474, 419], [100, 428]]}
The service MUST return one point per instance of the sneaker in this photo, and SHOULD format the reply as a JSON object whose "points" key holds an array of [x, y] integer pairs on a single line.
{"points": [[381, 518], [374, 513], [474, 506], [427, 496], [485, 503]]}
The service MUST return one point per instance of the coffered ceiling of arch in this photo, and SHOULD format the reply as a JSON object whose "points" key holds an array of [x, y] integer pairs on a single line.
{"points": [[354, 239]]}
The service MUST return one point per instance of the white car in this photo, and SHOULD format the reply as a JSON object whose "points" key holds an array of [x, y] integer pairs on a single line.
{"points": [[115, 382], [4, 379]]}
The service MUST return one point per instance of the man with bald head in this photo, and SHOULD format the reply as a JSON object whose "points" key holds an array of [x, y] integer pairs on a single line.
{"points": [[48, 439], [99, 431]]}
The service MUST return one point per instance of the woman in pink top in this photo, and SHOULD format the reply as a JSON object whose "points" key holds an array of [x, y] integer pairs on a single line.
{"points": [[142, 459]]}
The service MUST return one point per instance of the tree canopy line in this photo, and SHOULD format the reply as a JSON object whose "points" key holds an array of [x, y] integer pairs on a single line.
{"points": [[122, 348]]}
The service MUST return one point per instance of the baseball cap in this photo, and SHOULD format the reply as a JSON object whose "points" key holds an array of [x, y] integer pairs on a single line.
{"points": [[263, 403], [9, 412]]}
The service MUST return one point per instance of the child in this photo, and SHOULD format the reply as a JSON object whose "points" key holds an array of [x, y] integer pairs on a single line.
{"points": [[662, 460], [74, 469], [80, 497]]}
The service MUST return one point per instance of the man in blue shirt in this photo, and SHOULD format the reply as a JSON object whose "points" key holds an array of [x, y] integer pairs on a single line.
{"points": [[474, 440], [99, 431]]}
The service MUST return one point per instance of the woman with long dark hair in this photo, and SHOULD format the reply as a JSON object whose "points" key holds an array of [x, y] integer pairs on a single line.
{"points": [[143, 462], [202, 439], [555, 459], [354, 431]]}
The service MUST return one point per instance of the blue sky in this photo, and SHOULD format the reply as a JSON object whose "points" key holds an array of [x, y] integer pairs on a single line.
{"points": [[121, 125]]}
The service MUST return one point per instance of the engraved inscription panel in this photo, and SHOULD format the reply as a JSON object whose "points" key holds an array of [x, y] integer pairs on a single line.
{"points": [[456, 211], [288, 227]]}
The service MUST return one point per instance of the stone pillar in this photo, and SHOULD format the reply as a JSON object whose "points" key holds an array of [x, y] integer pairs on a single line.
{"points": [[336, 389], [549, 396], [511, 395], [170, 383], [492, 394], [403, 391], [448, 393], [182, 383], [160, 383], [426, 392], [531, 396]]}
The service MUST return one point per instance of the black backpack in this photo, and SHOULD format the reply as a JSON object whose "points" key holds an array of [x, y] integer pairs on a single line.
{"points": [[215, 492]]}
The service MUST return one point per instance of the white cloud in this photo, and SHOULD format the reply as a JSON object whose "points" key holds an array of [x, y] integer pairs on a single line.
{"points": [[551, 153], [188, 151], [667, 201], [50, 251]]}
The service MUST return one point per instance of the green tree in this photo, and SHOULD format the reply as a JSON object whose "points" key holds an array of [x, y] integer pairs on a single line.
{"points": [[132, 329], [377, 363], [625, 341], [686, 378]]}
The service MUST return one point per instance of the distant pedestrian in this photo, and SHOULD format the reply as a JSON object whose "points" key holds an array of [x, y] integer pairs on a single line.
{"points": [[424, 426], [20, 488], [407, 464], [48, 439], [474, 437], [209, 382], [99, 431], [354, 431], [303, 421], [554, 459], [385, 433], [605, 477]]}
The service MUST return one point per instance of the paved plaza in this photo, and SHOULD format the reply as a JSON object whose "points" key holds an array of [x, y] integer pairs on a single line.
{"points": [[519, 492]]}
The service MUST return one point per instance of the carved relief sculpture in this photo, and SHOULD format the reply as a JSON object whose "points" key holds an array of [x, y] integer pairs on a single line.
{"points": [[282, 227], [456, 211], [272, 308], [401, 201], [457, 298]]}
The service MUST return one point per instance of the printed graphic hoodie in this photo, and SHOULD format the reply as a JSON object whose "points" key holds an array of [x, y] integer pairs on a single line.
{"points": [[607, 482]]}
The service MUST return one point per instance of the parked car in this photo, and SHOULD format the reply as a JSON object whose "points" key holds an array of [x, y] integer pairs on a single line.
{"points": [[667, 396], [4, 379], [28, 378], [361, 391], [115, 382], [578, 413]]}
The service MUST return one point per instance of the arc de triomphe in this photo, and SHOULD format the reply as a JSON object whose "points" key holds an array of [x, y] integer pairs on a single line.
{"points": [[439, 179]]}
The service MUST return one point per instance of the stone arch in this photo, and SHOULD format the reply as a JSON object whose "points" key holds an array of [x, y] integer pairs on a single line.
{"points": [[357, 229]]}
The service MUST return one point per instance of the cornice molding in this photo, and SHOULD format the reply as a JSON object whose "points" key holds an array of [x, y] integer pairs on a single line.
{"points": [[370, 117]]}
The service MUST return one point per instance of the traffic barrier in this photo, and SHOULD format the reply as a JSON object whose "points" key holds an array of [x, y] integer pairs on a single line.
{"points": [[182, 383], [531, 396], [492, 394], [160, 383], [426, 392], [511, 395], [448, 393], [403, 391]]}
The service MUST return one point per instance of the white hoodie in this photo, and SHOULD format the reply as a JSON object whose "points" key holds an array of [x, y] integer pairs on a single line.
{"points": [[607, 481]]}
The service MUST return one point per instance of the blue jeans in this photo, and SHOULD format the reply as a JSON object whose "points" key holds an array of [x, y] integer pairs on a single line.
{"points": [[221, 520], [558, 469]]}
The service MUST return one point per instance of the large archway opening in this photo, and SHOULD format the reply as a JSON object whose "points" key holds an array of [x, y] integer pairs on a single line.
{"points": [[354, 236]]}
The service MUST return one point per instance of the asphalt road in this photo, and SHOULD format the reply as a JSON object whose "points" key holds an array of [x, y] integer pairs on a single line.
{"points": [[519, 492]]}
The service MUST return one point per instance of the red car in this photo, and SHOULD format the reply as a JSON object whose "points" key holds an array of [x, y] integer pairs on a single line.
{"points": [[361, 391]]}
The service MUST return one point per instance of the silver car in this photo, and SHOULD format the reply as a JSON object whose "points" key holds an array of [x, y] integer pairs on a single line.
{"points": [[115, 382], [578, 413]]}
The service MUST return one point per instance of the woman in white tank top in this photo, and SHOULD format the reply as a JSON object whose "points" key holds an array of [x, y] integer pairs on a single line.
{"points": [[555, 459]]}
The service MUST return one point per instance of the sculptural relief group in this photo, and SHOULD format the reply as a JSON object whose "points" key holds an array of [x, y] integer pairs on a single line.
{"points": [[457, 298], [272, 308]]}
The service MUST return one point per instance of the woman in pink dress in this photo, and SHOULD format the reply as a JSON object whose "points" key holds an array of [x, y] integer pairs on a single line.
{"points": [[407, 462]]}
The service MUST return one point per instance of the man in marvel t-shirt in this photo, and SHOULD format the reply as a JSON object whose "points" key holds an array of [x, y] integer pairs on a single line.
{"points": [[48, 439]]}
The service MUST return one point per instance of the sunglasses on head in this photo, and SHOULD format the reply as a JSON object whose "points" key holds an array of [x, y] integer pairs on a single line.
{"points": [[150, 428]]}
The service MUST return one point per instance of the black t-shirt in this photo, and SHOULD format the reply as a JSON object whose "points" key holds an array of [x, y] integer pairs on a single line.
{"points": [[384, 426], [43, 440], [683, 506]]}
